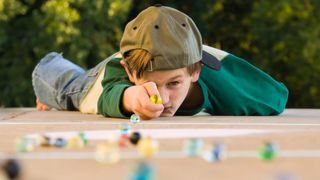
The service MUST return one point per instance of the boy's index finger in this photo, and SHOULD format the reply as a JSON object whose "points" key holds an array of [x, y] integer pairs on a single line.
{"points": [[151, 88]]}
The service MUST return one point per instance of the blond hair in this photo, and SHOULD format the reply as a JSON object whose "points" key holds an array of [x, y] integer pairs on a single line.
{"points": [[138, 60]]}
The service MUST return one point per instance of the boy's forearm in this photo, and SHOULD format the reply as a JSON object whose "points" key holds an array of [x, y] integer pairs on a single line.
{"points": [[110, 102], [126, 101]]}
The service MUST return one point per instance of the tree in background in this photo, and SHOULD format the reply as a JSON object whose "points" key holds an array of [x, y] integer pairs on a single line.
{"points": [[85, 31], [280, 37], [286, 44]]}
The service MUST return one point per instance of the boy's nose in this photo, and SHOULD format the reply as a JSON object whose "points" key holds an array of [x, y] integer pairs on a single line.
{"points": [[164, 95]]}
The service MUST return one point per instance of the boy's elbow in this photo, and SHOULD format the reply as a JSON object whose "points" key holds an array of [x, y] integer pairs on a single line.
{"points": [[283, 100], [281, 104]]}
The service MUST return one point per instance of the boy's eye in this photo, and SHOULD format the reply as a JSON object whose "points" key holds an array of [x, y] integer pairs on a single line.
{"points": [[173, 83]]}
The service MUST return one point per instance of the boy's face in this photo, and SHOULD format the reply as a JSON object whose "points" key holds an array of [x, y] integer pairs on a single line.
{"points": [[173, 86]]}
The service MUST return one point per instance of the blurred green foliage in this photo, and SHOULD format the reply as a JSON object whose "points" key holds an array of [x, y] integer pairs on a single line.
{"points": [[280, 37]]}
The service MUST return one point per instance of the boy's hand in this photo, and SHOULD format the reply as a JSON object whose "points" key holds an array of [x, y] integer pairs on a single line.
{"points": [[136, 99]]}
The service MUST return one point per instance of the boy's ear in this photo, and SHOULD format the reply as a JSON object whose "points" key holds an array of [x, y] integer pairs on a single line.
{"points": [[196, 73], [124, 65]]}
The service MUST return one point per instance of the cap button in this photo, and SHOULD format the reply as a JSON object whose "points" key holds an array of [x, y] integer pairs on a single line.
{"points": [[157, 5]]}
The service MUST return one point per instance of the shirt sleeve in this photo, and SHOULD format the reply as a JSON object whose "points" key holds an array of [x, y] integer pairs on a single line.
{"points": [[114, 83], [240, 88]]}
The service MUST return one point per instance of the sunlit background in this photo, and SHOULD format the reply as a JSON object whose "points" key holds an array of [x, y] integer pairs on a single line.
{"points": [[280, 37]]}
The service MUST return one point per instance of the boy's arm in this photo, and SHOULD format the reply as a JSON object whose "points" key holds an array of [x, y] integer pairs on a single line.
{"points": [[240, 88], [114, 84]]}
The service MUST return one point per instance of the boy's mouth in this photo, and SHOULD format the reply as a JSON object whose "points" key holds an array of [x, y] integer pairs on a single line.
{"points": [[167, 112]]}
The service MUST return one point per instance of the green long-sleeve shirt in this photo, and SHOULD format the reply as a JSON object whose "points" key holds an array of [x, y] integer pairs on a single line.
{"points": [[238, 88]]}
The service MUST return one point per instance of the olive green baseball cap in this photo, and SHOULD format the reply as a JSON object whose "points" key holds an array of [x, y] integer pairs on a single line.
{"points": [[170, 36]]}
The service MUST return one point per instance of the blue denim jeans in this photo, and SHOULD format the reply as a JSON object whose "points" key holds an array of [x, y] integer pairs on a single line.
{"points": [[60, 84]]}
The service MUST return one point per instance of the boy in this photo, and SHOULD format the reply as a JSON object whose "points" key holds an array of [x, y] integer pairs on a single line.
{"points": [[161, 54]]}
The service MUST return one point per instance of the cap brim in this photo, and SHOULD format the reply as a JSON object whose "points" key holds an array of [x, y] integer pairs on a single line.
{"points": [[210, 61]]}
